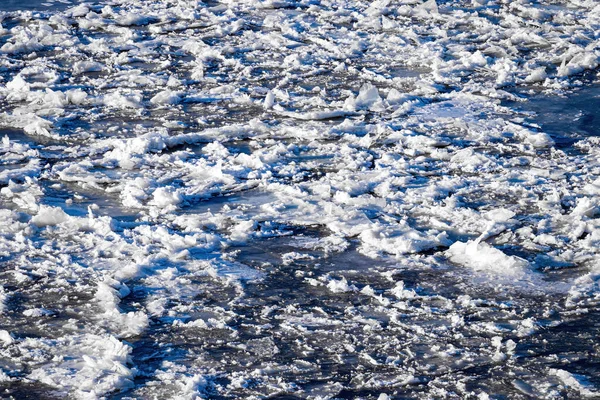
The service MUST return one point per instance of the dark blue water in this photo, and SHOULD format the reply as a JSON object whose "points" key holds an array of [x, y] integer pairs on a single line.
{"points": [[567, 118]]}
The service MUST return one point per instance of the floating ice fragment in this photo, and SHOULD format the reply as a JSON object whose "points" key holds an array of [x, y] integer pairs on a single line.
{"points": [[124, 101], [368, 96], [163, 197], [96, 365], [18, 84], [400, 292], [480, 256], [579, 63], [38, 126], [76, 96], [156, 306], [49, 216], [37, 312], [426, 9], [593, 188], [524, 387], [108, 295], [3, 297], [535, 139], [133, 19], [577, 382], [166, 97], [395, 97], [87, 66], [242, 231], [537, 75], [499, 215], [586, 206], [231, 270], [341, 286], [79, 11], [397, 240], [32, 168], [319, 115], [539, 139], [6, 337], [269, 100]]}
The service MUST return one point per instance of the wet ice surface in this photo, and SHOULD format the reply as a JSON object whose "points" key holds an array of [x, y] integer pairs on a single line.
{"points": [[314, 199]]}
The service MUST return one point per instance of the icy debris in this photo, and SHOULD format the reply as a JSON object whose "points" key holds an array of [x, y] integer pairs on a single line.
{"points": [[132, 19], [341, 286], [210, 323], [369, 291], [242, 231], [537, 75], [95, 367], [78, 11], [318, 115], [399, 240], [366, 98], [578, 63], [587, 207], [394, 96], [500, 215], [470, 161], [166, 97], [168, 127], [480, 256], [187, 383], [234, 271], [401, 293], [3, 298], [475, 60], [87, 66], [31, 169], [37, 313], [163, 197], [6, 338], [292, 257], [523, 387], [503, 350], [526, 327], [269, 100], [34, 125], [575, 381], [426, 9], [108, 295], [123, 100], [18, 84], [4, 377], [49, 216], [585, 290]]}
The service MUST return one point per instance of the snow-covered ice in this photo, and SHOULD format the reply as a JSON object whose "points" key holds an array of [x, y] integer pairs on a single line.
{"points": [[301, 199]]}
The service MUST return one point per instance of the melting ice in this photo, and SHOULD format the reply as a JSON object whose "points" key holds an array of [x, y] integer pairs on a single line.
{"points": [[301, 199]]}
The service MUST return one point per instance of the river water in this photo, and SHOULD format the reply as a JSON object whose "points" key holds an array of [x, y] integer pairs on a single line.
{"points": [[330, 199]]}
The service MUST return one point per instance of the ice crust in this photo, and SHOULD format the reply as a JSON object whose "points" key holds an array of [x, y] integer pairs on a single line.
{"points": [[481, 256], [251, 199]]}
